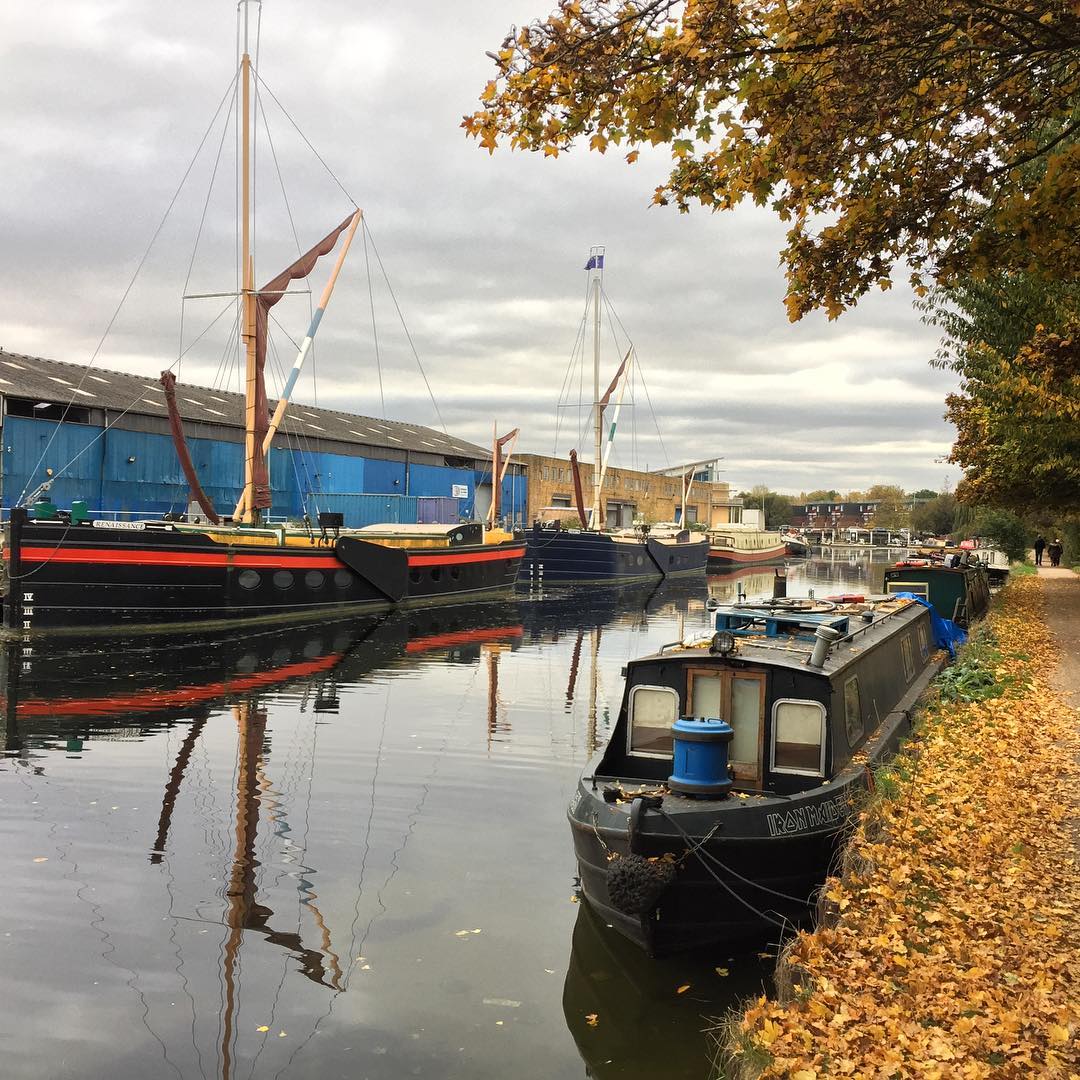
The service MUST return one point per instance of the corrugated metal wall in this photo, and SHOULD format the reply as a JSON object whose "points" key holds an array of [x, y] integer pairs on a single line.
{"points": [[138, 473]]}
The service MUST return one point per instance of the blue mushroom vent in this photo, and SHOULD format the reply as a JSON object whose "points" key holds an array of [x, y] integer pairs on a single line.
{"points": [[701, 757]]}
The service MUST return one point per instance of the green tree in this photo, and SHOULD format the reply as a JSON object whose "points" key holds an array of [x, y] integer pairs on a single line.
{"points": [[901, 132], [1014, 339], [892, 511], [924, 493], [777, 506], [937, 516], [1005, 528], [820, 496]]}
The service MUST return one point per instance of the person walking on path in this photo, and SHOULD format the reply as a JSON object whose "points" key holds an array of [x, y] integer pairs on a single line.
{"points": [[1040, 543], [1054, 551]]}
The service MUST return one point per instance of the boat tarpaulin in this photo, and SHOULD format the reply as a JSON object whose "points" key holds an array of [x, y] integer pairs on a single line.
{"points": [[947, 635]]}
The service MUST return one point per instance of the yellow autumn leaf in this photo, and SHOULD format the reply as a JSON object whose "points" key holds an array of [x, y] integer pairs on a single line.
{"points": [[263, 1027], [682, 989], [489, 91], [770, 1032], [592, 1019]]}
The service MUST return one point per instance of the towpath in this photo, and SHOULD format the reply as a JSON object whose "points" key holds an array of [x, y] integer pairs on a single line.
{"points": [[1062, 589]]}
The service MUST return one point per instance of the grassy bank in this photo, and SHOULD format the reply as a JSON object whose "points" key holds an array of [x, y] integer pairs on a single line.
{"points": [[949, 945]]}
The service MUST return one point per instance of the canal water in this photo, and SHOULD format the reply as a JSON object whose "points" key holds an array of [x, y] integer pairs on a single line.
{"points": [[340, 851]]}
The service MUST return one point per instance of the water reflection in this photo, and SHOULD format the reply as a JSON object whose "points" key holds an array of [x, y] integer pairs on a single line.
{"points": [[635, 1016], [335, 850]]}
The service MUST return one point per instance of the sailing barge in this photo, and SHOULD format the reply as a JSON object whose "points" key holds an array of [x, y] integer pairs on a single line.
{"points": [[715, 810], [557, 554], [64, 570]]}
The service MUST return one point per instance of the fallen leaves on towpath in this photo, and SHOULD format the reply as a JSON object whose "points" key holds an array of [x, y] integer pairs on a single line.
{"points": [[950, 945]]}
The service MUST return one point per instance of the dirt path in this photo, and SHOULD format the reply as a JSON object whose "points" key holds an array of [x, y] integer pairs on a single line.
{"points": [[1062, 590]]}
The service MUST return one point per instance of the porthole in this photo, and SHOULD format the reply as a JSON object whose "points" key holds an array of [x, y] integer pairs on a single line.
{"points": [[414, 576], [455, 573], [283, 579], [459, 537], [342, 579], [640, 560], [249, 579], [436, 573], [314, 579]]}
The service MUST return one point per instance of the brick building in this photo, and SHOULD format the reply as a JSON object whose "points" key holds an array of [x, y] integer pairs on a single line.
{"points": [[628, 495], [828, 514]]}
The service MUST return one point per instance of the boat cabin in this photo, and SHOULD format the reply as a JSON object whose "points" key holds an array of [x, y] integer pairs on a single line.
{"points": [[959, 588], [802, 689]]}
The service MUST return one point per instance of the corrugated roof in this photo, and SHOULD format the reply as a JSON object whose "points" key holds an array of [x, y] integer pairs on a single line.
{"points": [[59, 382]]}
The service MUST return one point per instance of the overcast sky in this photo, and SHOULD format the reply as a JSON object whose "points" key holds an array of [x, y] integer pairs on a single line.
{"points": [[104, 103]]}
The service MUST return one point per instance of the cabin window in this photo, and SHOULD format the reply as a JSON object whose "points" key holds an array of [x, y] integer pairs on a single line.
{"points": [[908, 656], [799, 737], [853, 718], [653, 709], [924, 642], [916, 588], [738, 699]]}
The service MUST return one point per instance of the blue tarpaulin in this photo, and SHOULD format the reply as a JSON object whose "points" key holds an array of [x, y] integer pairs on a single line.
{"points": [[947, 635]]}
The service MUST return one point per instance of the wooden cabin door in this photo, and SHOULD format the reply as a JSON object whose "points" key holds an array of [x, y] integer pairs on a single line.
{"points": [[739, 698]]}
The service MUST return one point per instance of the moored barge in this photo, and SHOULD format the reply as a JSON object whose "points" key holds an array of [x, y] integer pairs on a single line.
{"points": [[716, 808], [958, 588]]}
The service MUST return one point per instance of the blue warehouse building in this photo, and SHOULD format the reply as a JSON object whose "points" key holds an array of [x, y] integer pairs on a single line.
{"points": [[113, 450]]}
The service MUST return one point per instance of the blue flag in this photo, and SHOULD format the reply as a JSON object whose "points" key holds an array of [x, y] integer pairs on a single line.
{"points": [[596, 262]]}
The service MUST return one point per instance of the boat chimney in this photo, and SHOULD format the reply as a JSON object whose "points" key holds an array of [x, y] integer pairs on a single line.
{"points": [[824, 637]]}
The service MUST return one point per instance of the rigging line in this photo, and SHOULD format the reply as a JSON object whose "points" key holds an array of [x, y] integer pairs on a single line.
{"points": [[307, 142], [108, 427], [568, 375], [644, 386], [130, 285], [374, 327], [202, 218], [360, 883], [397, 307]]}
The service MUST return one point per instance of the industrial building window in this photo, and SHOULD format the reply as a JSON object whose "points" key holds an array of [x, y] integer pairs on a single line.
{"points": [[798, 743], [653, 709], [853, 711], [560, 500], [45, 410]]}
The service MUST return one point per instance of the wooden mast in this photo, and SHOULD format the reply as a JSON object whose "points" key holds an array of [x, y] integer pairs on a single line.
{"points": [[596, 259], [250, 515]]}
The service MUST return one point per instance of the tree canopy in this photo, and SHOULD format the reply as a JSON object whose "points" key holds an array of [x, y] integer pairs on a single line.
{"points": [[777, 507], [1014, 339], [937, 133]]}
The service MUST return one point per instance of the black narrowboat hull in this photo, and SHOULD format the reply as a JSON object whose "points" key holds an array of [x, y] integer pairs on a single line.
{"points": [[756, 878], [961, 594], [748, 869], [577, 556], [71, 576]]}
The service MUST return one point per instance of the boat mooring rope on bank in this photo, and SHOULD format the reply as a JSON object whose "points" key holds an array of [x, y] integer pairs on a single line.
{"points": [[951, 940]]}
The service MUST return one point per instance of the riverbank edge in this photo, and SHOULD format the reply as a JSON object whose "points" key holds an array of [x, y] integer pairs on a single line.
{"points": [[946, 944]]}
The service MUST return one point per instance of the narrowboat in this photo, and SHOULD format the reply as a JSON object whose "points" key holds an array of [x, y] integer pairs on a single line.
{"points": [[958, 588], [736, 762]]}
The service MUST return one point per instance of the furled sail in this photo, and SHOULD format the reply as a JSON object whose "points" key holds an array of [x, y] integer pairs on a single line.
{"points": [[265, 299], [176, 424]]}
